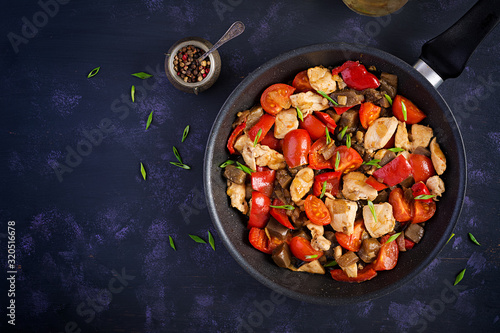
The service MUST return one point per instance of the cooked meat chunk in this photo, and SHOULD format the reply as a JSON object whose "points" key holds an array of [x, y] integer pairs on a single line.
{"points": [[316, 230], [258, 155], [348, 97], [253, 117], [422, 151], [286, 121], [309, 102], [376, 97], [340, 83], [420, 136], [343, 214], [401, 139], [318, 242], [350, 119], [380, 132], [437, 157], [284, 178], [234, 174], [385, 219], [435, 186], [321, 78], [312, 267], [245, 147], [355, 187], [237, 194], [282, 255], [301, 184], [414, 232], [389, 84]]}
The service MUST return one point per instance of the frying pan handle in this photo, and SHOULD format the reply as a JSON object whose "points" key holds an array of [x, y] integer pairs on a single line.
{"points": [[447, 54]]}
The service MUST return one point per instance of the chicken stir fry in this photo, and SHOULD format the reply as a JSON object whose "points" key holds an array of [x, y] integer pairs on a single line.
{"points": [[336, 172]]}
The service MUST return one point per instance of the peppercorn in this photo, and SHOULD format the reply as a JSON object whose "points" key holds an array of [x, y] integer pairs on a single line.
{"points": [[187, 66]]}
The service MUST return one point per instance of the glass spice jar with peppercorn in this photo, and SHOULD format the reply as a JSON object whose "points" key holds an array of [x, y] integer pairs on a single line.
{"points": [[188, 67]]}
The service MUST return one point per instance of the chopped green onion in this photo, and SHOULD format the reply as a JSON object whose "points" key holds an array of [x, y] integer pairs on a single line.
{"points": [[225, 164], [424, 197], [142, 75], [172, 245], [472, 238], [312, 256], [393, 237], [288, 207], [181, 165], [323, 190], [177, 155], [93, 72], [388, 98], [449, 239], [132, 94], [331, 264], [211, 240], [328, 138], [396, 149], [185, 133], [322, 93], [372, 209], [348, 140], [300, 115], [374, 162], [150, 119], [342, 133], [197, 239], [403, 108], [337, 161], [257, 137], [244, 168], [460, 276], [143, 171]]}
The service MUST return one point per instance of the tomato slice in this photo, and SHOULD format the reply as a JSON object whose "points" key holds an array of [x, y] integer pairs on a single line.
{"points": [[316, 159], [259, 213], [388, 255], [301, 249], [280, 215], [276, 97], [301, 82], [234, 135], [368, 113], [394, 172], [263, 181], [422, 167], [364, 274], [422, 211], [259, 240], [332, 180], [413, 113], [270, 141], [296, 147], [314, 126], [316, 210], [352, 242], [375, 184], [265, 123], [349, 159], [401, 208], [420, 189], [327, 120], [341, 109]]}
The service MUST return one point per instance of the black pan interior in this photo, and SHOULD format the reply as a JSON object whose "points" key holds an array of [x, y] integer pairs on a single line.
{"points": [[231, 225]]}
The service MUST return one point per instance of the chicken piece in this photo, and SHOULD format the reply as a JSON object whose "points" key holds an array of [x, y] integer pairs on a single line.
{"points": [[337, 252], [318, 241], [343, 214], [355, 188], [308, 102], [380, 132], [312, 267], [437, 157], [401, 139], [435, 186], [301, 184], [420, 136], [316, 230], [359, 137], [340, 83], [285, 122], [258, 155], [237, 194], [385, 219], [351, 270], [322, 79]]}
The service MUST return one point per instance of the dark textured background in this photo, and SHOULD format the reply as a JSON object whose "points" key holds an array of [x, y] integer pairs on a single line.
{"points": [[103, 216]]}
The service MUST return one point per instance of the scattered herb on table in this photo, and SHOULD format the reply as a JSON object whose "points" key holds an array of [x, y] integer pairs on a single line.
{"points": [[143, 171], [132, 94], [93, 72], [150, 119], [185, 133], [472, 238], [459, 278], [211, 240], [177, 155], [172, 245], [449, 239], [197, 239], [142, 75], [181, 165]]}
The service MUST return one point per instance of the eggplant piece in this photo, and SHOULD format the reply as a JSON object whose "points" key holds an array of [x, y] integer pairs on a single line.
{"points": [[376, 97], [330, 235], [348, 97], [382, 196], [253, 117], [328, 151], [283, 178], [248, 191], [401, 242], [333, 114], [391, 79], [408, 182], [414, 232], [360, 149], [301, 233], [347, 259], [388, 156], [422, 151], [277, 230], [282, 255], [369, 250], [386, 112], [235, 175], [350, 118]]}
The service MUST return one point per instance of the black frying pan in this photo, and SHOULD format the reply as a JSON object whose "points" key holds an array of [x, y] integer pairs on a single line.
{"points": [[446, 55]]}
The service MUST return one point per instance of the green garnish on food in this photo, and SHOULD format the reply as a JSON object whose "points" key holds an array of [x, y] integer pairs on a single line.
{"points": [[331, 264], [396, 149], [172, 245], [374, 162], [424, 197], [314, 256], [299, 114], [142, 75], [177, 155], [393, 237], [197, 239], [185, 133], [342, 133], [132, 94], [143, 171], [211, 240], [181, 165], [257, 137], [472, 238], [244, 168], [372, 209], [337, 161], [288, 207], [322, 93], [388, 98], [460, 276], [225, 164], [403, 108], [348, 140], [150, 119], [93, 72], [328, 138], [449, 239], [323, 190]]}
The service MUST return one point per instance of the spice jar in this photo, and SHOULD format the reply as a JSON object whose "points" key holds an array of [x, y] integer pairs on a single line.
{"points": [[184, 70]]}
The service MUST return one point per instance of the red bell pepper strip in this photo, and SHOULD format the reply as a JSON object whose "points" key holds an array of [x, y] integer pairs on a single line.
{"points": [[375, 184], [270, 141], [265, 123], [263, 181], [365, 274], [420, 189], [356, 76], [259, 240], [332, 183], [394, 172], [327, 120], [345, 65], [232, 138], [280, 215], [341, 109], [259, 213]]}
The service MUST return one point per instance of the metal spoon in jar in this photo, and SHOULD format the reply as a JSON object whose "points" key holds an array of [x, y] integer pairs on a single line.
{"points": [[234, 30]]}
